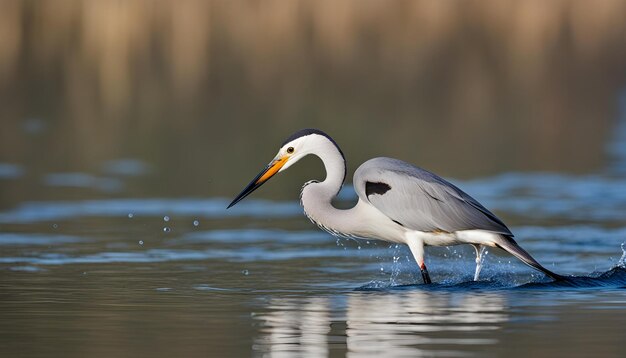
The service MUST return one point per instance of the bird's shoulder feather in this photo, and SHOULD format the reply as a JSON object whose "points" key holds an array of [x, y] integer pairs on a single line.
{"points": [[420, 199]]}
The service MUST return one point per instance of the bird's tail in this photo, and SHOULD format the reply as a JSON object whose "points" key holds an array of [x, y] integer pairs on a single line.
{"points": [[509, 245]]}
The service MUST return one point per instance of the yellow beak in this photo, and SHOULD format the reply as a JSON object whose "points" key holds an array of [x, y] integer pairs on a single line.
{"points": [[261, 178]]}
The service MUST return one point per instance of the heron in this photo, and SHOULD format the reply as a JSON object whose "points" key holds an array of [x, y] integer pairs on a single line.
{"points": [[397, 202]]}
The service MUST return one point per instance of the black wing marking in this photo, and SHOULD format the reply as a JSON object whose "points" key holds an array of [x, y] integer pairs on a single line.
{"points": [[376, 188]]}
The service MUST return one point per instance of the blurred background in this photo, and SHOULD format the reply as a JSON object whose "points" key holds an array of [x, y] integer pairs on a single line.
{"points": [[192, 98], [126, 127]]}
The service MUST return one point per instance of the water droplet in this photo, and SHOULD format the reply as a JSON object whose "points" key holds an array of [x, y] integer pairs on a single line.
{"points": [[358, 247], [368, 242], [166, 229], [382, 269], [141, 242], [130, 215], [245, 272], [55, 226], [166, 218], [196, 223]]}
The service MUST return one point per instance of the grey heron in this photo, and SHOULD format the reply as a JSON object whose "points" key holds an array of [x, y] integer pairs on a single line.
{"points": [[397, 202]]}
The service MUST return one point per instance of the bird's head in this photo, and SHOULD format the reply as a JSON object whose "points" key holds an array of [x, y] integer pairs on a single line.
{"points": [[294, 148]]}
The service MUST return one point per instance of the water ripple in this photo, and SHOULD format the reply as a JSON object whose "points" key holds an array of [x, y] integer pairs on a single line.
{"points": [[83, 180], [614, 278], [36, 239], [257, 235], [10, 171], [33, 212], [591, 197]]}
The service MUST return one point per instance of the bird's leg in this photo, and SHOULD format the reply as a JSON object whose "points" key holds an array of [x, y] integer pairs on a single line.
{"points": [[417, 249], [480, 250], [425, 275]]}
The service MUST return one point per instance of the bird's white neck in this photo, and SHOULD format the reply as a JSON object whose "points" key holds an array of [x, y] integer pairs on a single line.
{"points": [[361, 221], [316, 197]]}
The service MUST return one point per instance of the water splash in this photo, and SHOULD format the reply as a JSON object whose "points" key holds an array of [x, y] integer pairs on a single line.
{"points": [[481, 255], [622, 261], [396, 266]]}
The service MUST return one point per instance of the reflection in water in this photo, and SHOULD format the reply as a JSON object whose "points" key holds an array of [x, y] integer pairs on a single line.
{"points": [[412, 323], [403, 324], [293, 326]]}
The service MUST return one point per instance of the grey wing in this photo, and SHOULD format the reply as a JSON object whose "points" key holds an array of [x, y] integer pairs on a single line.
{"points": [[421, 200]]}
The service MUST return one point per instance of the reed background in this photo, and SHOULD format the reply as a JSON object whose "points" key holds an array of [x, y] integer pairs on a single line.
{"points": [[203, 92]]}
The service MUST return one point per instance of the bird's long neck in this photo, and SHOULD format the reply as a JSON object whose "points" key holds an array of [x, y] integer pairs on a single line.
{"points": [[335, 166], [316, 197]]}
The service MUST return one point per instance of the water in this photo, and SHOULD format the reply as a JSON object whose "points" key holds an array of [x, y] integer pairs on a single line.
{"points": [[104, 277], [183, 276]]}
